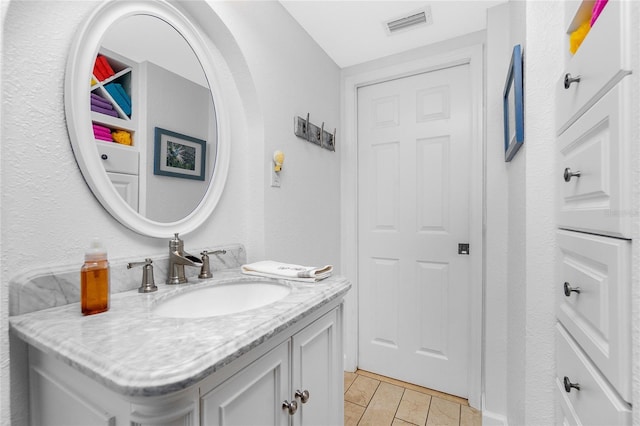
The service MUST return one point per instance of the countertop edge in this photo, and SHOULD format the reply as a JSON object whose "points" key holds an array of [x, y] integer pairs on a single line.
{"points": [[148, 387]]}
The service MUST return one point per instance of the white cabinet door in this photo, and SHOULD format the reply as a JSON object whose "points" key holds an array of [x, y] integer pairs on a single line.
{"points": [[585, 395], [317, 369], [127, 187], [600, 62], [253, 396], [594, 169], [593, 301]]}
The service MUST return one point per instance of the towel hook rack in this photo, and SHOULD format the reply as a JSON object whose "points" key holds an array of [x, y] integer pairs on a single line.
{"points": [[308, 131]]}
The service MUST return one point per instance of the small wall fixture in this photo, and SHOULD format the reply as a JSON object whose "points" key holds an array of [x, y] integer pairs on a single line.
{"points": [[316, 135], [278, 159]]}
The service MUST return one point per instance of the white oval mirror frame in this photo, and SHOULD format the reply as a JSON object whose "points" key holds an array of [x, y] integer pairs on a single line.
{"points": [[77, 110]]}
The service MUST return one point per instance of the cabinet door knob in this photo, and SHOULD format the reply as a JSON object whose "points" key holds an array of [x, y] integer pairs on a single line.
{"points": [[568, 289], [291, 407], [568, 174], [568, 385], [104, 156], [568, 80], [303, 395]]}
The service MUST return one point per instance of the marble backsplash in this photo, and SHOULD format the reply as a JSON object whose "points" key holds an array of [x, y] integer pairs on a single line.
{"points": [[50, 287]]}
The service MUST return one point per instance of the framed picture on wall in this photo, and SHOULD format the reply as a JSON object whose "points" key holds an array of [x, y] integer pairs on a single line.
{"points": [[179, 155], [513, 106]]}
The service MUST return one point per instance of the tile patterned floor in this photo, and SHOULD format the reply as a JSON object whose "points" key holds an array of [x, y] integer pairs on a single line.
{"points": [[370, 399]]}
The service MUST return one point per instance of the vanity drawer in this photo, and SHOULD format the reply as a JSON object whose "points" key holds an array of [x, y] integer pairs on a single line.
{"points": [[119, 158], [600, 62], [599, 316], [598, 147], [596, 403]]}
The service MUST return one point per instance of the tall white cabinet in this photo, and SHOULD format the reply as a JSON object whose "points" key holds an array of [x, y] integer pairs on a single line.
{"points": [[593, 308]]}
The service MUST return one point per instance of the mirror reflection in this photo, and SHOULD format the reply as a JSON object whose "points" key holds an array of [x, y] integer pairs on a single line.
{"points": [[153, 118]]}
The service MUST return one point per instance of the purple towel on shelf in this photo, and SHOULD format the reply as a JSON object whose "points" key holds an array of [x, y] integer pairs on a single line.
{"points": [[104, 111], [101, 103], [97, 97], [103, 138]]}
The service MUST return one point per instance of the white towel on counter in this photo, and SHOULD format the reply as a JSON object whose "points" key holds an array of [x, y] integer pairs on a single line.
{"points": [[271, 269]]}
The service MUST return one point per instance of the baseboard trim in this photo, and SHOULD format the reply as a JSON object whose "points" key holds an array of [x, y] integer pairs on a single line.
{"points": [[493, 419]]}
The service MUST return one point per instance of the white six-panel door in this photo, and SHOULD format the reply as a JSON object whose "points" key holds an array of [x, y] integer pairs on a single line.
{"points": [[414, 146]]}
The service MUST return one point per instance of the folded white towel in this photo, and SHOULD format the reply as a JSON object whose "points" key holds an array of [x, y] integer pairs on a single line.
{"points": [[271, 269]]}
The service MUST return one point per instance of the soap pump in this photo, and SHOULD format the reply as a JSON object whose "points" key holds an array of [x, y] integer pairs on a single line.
{"points": [[94, 280]]}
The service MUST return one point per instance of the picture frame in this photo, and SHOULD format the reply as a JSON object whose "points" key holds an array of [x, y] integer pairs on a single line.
{"points": [[179, 155], [513, 106]]}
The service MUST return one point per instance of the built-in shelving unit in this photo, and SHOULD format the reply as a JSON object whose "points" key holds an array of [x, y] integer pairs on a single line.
{"points": [[593, 336], [117, 92]]}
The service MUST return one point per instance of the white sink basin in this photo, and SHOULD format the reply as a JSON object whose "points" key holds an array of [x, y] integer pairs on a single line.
{"points": [[223, 299]]}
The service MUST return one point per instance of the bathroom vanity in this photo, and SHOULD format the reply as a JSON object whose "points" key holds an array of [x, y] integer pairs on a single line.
{"points": [[280, 364]]}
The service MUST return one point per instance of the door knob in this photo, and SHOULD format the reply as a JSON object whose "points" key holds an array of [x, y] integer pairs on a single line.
{"points": [[568, 289], [568, 174], [291, 407], [568, 80], [303, 395], [568, 385]]}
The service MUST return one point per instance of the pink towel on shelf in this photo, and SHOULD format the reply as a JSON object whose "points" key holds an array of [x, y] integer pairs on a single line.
{"points": [[105, 134], [100, 128], [597, 8], [103, 138]]}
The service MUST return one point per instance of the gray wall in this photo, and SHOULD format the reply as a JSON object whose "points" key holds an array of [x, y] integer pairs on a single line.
{"points": [[178, 105]]}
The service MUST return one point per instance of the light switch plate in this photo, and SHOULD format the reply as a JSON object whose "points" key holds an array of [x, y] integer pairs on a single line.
{"points": [[275, 179]]}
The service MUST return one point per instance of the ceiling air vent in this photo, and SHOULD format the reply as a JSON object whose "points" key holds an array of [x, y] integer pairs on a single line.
{"points": [[414, 19]]}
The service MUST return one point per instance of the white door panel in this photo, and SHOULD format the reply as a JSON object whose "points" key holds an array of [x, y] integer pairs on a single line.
{"points": [[413, 198]]}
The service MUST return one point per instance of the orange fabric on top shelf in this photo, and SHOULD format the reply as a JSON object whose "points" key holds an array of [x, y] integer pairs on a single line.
{"points": [[577, 37]]}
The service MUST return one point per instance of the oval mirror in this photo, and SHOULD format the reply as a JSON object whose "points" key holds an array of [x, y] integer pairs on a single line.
{"points": [[145, 117]]}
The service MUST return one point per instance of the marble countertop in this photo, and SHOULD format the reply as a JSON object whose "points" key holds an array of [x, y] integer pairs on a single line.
{"points": [[136, 353]]}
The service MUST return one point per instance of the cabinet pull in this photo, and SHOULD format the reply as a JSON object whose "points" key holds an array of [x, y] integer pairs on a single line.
{"points": [[568, 385], [568, 80], [303, 395], [568, 174], [291, 407], [104, 156], [568, 289]]}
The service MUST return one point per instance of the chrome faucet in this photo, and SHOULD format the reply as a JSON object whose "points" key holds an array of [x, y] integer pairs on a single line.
{"points": [[178, 259]]}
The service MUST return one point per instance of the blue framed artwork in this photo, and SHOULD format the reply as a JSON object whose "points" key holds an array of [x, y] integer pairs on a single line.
{"points": [[178, 155], [513, 106]]}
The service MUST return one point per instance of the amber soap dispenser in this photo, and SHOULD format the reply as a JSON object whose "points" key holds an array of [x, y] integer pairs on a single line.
{"points": [[94, 280]]}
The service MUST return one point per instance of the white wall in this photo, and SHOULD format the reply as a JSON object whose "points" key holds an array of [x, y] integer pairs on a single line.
{"points": [[179, 105], [48, 212], [497, 55], [293, 77], [537, 26], [516, 256], [635, 271]]}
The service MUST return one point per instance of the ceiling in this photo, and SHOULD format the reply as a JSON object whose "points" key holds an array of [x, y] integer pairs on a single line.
{"points": [[354, 31]]}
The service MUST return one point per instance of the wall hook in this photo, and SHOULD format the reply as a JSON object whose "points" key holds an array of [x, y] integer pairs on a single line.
{"points": [[311, 133], [305, 129]]}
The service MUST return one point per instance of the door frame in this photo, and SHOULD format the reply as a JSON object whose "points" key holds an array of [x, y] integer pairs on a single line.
{"points": [[473, 56]]}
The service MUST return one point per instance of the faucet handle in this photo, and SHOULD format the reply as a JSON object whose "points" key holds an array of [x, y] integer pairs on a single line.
{"points": [[148, 284], [205, 270]]}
